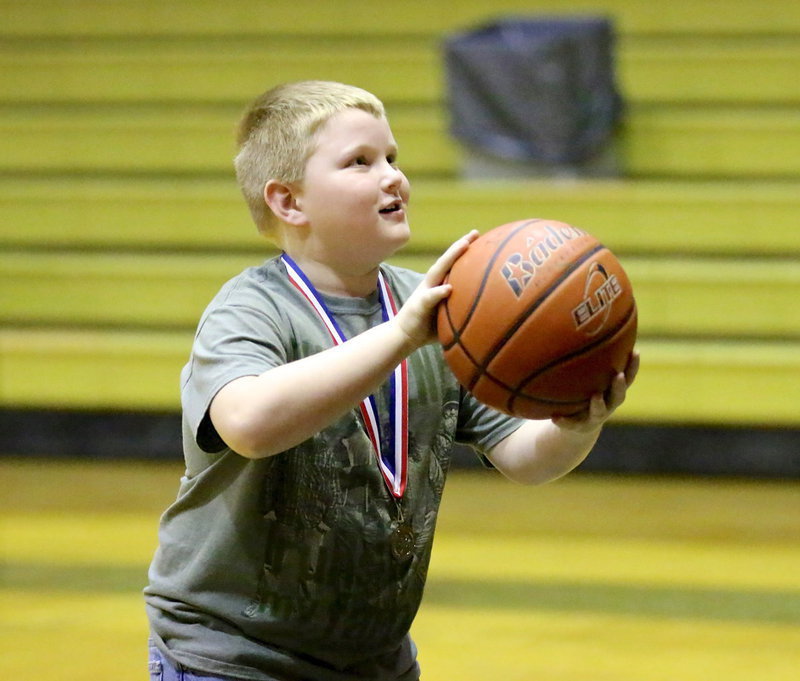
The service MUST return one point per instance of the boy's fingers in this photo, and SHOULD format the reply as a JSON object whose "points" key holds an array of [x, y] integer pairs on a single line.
{"points": [[456, 249], [617, 393], [622, 381], [598, 408], [602, 406], [443, 264], [435, 295], [633, 368]]}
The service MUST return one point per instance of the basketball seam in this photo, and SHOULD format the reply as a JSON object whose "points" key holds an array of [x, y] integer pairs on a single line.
{"points": [[486, 274], [517, 391], [522, 318]]}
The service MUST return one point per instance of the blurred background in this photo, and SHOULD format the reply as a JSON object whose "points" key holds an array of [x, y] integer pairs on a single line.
{"points": [[669, 131]]}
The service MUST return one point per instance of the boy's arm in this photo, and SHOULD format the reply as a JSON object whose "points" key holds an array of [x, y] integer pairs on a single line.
{"points": [[540, 451], [259, 416]]}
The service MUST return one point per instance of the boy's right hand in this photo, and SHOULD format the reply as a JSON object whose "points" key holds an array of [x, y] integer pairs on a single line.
{"points": [[417, 319]]}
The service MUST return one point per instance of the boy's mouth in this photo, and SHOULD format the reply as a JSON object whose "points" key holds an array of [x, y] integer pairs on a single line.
{"points": [[391, 208]]}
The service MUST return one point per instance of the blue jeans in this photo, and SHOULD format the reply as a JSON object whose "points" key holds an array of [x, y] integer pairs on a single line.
{"points": [[161, 669]]}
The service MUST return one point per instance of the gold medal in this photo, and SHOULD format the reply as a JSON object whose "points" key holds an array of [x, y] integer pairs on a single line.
{"points": [[402, 542]]}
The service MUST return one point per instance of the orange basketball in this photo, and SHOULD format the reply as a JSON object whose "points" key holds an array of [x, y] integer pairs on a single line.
{"points": [[541, 317]]}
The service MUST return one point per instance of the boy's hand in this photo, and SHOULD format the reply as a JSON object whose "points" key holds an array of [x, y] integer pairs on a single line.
{"points": [[417, 318], [602, 405]]}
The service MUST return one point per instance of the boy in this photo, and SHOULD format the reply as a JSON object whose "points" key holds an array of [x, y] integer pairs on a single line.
{"points": [[318, 419]]}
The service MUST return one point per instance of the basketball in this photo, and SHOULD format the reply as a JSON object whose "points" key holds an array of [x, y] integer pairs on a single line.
{"points": [[540, 318]]}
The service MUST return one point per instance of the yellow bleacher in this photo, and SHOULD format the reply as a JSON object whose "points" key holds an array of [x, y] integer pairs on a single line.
{"points": [[121, 216]]}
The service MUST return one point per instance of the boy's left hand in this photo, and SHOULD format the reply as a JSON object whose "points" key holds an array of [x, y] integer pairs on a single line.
{"points": [[602, 405]]}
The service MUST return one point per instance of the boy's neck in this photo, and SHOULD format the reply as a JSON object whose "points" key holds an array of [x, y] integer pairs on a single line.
{"points": [[328, 280]]}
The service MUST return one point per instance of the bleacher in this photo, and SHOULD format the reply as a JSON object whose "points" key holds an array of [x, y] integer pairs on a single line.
{"points": [[121, 217]]}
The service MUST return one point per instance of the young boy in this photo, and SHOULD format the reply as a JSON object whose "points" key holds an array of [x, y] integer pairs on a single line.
{"points": [[318, 419]]}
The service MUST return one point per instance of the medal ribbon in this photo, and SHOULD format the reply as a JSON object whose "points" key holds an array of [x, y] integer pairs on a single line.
{"points": [[394, 463]]}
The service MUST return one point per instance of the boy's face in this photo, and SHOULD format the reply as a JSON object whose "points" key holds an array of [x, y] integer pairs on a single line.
{"points": [[353, 196]]}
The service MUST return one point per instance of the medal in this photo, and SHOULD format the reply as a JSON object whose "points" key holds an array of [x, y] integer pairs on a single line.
{"points": [[393, 464], [402, 542]]}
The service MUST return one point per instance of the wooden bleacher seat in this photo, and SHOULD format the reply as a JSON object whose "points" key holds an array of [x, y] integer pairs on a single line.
{"points": [[676, 297], [735, 219], [660, 142], [153, 18]]}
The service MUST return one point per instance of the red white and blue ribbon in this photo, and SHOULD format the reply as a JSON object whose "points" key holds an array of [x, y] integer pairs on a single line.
{"points": [[393, 463]]}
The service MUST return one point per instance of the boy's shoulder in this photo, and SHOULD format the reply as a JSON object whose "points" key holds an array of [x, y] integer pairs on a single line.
{"points": [[253, 287]]}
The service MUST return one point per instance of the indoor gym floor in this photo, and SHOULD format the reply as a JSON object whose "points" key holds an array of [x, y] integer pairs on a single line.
{"points": [[591, 578]]}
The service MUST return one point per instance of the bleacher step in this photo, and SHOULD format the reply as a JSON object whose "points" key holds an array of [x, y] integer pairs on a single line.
{"points": [[720, 218], [248, 17], [676, 297], [666, 142], [681, 382]]}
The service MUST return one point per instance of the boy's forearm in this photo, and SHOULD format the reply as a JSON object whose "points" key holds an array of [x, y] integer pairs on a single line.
{"points": [[541, 451], [259, 416]]}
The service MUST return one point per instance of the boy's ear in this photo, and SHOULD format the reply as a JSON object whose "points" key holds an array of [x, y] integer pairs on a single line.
{"points": [[283, 201]]}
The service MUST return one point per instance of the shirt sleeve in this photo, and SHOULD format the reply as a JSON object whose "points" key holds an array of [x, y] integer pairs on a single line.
{"points": [[232, 341], [482, 427]]}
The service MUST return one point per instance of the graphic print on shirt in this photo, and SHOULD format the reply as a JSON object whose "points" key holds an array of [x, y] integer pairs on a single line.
{"points": [[327, 525]]}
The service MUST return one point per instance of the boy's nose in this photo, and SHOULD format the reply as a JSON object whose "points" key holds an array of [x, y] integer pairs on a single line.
{"points": [[393, 177]]}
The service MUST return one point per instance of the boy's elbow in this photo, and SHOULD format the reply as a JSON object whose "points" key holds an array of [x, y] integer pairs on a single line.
{"points": [[240, 426], [526, 475], [244, 437]]}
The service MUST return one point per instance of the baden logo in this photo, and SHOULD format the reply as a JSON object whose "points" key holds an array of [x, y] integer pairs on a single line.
{"points": [[519, 269], [599, 292]]}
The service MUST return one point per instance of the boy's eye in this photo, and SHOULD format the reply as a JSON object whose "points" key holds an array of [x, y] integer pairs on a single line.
{"points": [[363, 160]]}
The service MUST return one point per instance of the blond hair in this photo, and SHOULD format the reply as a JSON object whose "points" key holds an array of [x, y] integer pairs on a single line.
{"points": [[276, 136]]}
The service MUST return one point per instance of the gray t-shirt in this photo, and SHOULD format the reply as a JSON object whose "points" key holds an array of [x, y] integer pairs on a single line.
{"points": [[280, 568]]}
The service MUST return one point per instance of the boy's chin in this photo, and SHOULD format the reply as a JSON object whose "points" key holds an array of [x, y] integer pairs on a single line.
{"points": [[400, 239], [401, 233]]}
